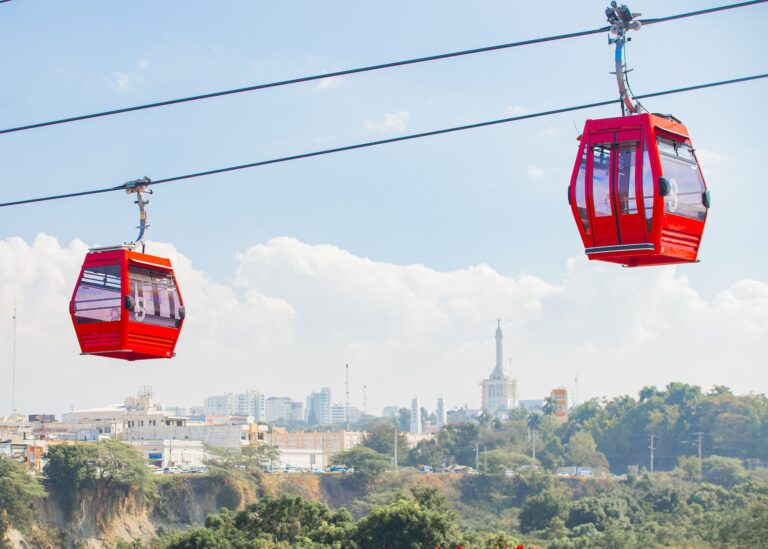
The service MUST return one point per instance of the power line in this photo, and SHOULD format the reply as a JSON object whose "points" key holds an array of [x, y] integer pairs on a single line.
{"points": [[382, 141], [368, 68]]}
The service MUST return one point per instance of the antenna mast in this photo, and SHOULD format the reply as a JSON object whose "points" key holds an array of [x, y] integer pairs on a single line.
{"points": [[13, 362], [346, 406]]}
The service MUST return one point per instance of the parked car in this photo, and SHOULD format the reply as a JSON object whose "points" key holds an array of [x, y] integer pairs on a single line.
{"points": [[173, 470]]}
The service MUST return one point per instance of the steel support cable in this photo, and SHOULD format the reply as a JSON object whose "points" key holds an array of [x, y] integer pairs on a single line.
{"points": [[384, 141], [368, 68]]}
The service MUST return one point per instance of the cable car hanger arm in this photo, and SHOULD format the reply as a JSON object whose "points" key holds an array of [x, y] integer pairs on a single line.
{"points": [[621, 21], [139, 186]]}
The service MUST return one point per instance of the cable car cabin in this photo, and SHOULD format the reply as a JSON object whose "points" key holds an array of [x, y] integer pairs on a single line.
{"points": [[637, 193], [126, 305]]}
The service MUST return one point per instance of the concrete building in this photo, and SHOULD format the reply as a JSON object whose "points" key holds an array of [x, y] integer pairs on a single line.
{"points": [[390, 411], [172, 453], [250, 403], [415, 417], [280, 409], [299, 445], [319, 407], [560, 396], [531, 405], [339, 414], [220, 405], [440, 413], [499, 390]]}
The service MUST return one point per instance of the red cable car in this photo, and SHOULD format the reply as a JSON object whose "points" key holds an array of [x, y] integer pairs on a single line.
{"points": [[126, 303], [637, 193]]}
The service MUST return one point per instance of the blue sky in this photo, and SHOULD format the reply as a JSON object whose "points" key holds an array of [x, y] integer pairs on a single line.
{"points": [[492, 196]]}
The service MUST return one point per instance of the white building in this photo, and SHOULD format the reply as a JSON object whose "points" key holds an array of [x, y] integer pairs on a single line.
{"points": [[250, 403], [169, 453], [220, 405], [499, 390], [319, 407], [140, 419], [283, 409], [390, 411], [339, 414], [415, 417], [441, 414]]}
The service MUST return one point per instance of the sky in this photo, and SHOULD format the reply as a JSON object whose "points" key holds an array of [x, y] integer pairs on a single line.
{"points": [[396, 259]]}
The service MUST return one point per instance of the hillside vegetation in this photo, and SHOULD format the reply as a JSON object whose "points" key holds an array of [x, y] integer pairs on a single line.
{"points": [[101, 495]]}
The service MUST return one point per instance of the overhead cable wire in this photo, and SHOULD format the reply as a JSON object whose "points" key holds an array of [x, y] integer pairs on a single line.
{"points": [[385, 141], [368, 68]]}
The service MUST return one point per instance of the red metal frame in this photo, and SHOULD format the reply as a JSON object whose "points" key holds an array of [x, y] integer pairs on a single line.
{"points": [[626, 239], [124, 338]]}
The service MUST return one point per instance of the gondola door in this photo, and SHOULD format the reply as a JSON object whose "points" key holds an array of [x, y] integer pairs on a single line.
{"points": [[600, 160], [627, 188], [613, 190]]}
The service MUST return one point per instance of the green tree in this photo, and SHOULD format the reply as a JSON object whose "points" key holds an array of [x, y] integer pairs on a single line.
{"points": [[406, 524], [745, 528], [552, 455], [539, 510], [70, 469], [367, 463], [459, 441], [724, 471], [582, 450], [290, 519], [381, 438], [404, 419], [549, 406], [501, 460], [426, 452], [19, 492], [120, 465]]}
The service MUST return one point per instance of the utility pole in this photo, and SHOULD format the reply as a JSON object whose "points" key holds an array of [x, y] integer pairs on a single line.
{"points": [[346, 406], [394, 457], [477, 455], [652, 449], [13, 362], [533, 446], [699, 434]]}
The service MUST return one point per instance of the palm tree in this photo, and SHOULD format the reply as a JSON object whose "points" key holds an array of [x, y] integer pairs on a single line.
{"points": [[549, 406]]}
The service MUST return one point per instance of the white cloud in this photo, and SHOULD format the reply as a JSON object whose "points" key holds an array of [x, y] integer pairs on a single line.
{"points": [[328, 83], [534, 172], [515, 110], [296, 313], [120, 81], [392, 122]]}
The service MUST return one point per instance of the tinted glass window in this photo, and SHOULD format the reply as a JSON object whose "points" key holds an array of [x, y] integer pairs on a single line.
{"points": [[601, 169], [97, 298], [647, 189], [581, 197], [156, 298], [625, 178], [687, 185]]}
